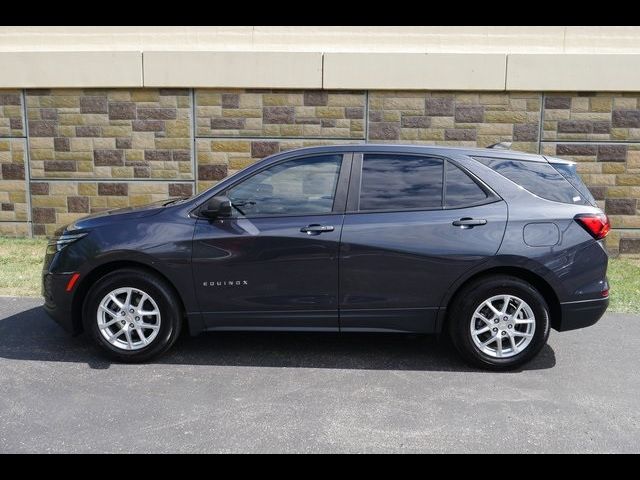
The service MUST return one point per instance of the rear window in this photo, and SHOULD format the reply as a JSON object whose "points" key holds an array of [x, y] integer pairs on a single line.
{"points": [[540, 178]]}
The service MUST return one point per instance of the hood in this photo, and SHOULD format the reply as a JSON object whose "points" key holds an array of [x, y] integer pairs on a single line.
{"points": [[120, 214]]}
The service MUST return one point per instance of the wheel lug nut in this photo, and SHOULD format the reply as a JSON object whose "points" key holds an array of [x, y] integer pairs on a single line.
{"points": [[131, 325], [131, 310], [504, 333], [495, 329], [123, 312], [496, 320], [510, 326], [137, 319], [123, 322]]}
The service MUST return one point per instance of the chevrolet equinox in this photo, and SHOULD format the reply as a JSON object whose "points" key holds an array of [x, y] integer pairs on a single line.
{"points": [[491, 246]]}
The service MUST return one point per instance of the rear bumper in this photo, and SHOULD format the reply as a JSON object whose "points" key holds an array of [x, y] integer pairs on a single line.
{"points": [[581, 314], [57, 301]]}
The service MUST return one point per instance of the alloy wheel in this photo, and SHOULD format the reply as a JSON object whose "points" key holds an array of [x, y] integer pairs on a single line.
{"points": [[503, 326], [128, 318]]}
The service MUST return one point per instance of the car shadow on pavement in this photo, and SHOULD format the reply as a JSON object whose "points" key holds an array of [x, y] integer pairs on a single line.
{"points": [[31, 335]]}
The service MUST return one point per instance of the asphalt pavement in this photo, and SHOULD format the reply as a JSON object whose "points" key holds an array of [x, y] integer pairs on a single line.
{"points": [[263, 392]]}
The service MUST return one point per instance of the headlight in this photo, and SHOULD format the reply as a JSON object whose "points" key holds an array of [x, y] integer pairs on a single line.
{"points": [[62, 241]]}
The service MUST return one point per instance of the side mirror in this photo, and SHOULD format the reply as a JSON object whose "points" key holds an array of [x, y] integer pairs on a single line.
{"points": [[217, 207]]}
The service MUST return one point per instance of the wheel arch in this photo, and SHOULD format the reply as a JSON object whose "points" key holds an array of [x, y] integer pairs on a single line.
{"points": [[540, 283], [88, 280]]}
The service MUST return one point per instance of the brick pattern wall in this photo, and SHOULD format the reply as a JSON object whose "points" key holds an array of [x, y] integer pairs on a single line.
{"points": [[455, 119], [237, 127], [601, 131], [82, 151], [13, 195], [110, 134], [595, 117], [272, 113], [14, 210], [11, 124], [62, 202]]}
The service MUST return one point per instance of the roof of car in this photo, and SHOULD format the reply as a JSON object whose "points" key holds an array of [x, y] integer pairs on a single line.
{"points": [[432, 149]]}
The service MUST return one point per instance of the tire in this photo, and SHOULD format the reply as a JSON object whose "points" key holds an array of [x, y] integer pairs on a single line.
{"points": [[160, 330], [529, 329]]}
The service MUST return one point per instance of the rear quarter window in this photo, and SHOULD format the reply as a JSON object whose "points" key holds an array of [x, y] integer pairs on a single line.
{"points": [[461, 190], [539, 178]]}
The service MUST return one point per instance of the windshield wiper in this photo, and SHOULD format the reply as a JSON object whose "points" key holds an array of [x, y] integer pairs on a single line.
{"points": [[174, 200], [237, 205]]}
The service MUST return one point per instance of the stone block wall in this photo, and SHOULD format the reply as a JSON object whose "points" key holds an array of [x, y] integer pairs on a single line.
{"points": [[123, 134], [68, 152], [11, 124], [601, 131], [14, 210], [234, 128], [55, 203], [277, 113], [455, 118]]}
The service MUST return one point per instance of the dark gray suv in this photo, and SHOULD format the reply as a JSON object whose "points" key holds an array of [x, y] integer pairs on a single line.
{"points": [[492, 246]]}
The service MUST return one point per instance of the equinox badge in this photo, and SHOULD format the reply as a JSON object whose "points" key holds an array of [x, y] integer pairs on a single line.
{"points": [[226, 283]]}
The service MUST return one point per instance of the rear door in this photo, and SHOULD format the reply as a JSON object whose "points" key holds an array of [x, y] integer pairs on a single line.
{"points": [[413, 225]]}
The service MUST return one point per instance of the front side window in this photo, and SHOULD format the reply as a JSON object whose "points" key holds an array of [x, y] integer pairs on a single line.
{"points": [[304, 186], [400, 182]]}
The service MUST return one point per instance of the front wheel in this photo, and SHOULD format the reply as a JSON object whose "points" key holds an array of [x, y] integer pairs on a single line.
{"points": [[499, 322], [133, 315]]}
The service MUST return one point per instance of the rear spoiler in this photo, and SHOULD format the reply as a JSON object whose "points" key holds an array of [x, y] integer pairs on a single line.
{"points": [[560, 161], [501, 145]]}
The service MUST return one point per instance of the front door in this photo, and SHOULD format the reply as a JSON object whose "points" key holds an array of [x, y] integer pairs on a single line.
{"points": [[414, 224], [274, 264]]}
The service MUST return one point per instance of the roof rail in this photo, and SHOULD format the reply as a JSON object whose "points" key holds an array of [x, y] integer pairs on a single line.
{"points": [[501, 145]]}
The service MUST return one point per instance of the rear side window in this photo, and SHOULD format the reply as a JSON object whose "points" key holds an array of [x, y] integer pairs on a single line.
{"points": [[461, 190], [400, 182], [539, 178]]}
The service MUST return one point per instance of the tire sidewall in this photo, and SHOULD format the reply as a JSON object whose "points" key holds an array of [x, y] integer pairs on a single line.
{"points": [[472, 300], [169, 316]]}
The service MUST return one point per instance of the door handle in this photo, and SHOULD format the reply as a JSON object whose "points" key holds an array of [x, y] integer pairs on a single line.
{"points": [[469, 222], [316, 229]]}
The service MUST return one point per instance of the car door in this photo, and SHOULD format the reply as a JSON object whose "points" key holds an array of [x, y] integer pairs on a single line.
{"points": [[274, 263], [413, 225]]}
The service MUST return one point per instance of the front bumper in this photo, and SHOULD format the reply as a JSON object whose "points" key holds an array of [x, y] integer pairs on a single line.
{"points": [[57, 301], [581, 314]]}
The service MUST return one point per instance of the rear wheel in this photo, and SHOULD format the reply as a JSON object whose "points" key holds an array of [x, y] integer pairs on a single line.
{"points": [[499, 322], [133, 315]]}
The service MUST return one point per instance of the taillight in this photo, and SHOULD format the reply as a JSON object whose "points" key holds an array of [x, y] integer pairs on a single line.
{"points": [[597, 224]]}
